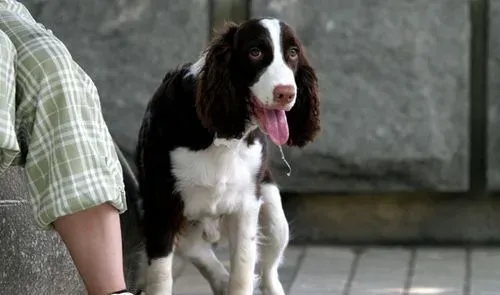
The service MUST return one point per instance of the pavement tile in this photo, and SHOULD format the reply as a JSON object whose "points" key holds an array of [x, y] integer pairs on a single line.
{"points": [[191, 283], [439, 271], [485, 272], [381, 271], [290, 266], [324, 270]]}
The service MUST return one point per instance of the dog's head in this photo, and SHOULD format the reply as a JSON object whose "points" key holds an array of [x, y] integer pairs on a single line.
{"points": [[258, 72]]}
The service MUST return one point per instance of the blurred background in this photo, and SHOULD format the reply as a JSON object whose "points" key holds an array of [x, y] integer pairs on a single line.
{"points": [[403, 102], [408, 152]]}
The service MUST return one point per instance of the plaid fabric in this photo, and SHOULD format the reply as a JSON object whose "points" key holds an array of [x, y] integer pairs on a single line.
{"points": [[51, 122]]}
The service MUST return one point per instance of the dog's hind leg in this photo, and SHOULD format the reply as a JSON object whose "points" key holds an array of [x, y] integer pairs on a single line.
{"points": [[196, 246], [274, 240]]}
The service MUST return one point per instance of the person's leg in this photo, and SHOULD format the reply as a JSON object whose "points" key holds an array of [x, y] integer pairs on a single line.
{"points": [[74, 176]]}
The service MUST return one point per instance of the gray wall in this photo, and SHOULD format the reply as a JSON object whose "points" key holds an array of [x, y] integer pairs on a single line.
{"points": [[394, 77], [493, 106]]}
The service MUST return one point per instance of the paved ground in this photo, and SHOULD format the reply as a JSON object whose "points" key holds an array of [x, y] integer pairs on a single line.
{"points": [[377, 271]]}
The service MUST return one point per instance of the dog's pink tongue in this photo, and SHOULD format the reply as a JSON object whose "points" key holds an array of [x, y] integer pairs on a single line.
{"points": [[276, 126]]}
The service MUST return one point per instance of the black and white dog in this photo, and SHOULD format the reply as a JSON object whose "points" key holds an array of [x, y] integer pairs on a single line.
{"points": [[202, 156]]}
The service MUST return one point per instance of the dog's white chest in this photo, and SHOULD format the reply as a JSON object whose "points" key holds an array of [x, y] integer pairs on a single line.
{"points": [[216, 180]]}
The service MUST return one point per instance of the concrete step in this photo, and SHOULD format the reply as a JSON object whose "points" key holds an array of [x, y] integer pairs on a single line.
{"points": [[393, 219]]}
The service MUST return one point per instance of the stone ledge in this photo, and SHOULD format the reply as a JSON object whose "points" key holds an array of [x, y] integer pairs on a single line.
{"points": [[30, 258], [393, 219]]}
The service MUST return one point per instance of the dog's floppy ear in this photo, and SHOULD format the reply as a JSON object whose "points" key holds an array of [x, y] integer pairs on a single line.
{"points": [[303, 119], [217, 104]]}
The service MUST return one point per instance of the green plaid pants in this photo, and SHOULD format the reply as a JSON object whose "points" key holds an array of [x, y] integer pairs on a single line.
{"points": [[51, 122]]}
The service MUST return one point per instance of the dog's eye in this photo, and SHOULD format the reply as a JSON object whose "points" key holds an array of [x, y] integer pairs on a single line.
{"points": [[293, 52], [255, 52]]}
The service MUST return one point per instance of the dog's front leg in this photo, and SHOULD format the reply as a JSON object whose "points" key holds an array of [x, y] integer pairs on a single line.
{"points": [[242, 232], [162, 226], [275, 231], [159, 278]]}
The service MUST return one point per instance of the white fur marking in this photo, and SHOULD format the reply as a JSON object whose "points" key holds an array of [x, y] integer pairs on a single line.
{"points": [[216, 180], [196, 67], [278, 72], [220, 180], [159, 279]]}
